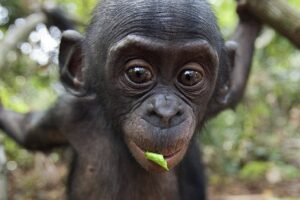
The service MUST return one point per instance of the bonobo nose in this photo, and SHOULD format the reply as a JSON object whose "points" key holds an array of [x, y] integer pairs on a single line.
{"points": [[164, 111]]}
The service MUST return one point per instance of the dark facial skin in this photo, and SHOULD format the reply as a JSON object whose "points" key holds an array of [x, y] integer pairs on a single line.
{"points": [[153, 70], [170, 95], [158, 69]]}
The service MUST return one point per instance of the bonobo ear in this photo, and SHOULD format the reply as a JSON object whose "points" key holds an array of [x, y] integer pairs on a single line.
{"points": [[224, 93], [71, 62]]}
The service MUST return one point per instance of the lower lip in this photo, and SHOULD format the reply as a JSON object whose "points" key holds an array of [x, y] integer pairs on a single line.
{"points": [[170, 159]]}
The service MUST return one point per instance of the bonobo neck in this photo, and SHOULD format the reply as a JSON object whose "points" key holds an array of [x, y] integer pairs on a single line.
{"points": [[108, 171]]}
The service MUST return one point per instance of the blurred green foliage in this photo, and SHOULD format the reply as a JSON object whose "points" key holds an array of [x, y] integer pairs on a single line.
{"points": [[247, 144]]}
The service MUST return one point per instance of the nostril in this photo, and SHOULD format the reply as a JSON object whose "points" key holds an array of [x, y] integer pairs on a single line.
{"points": [[179, 113], [151, 113]]}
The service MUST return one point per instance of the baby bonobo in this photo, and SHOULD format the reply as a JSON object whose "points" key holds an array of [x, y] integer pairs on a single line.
{"points": [[143, 80]]}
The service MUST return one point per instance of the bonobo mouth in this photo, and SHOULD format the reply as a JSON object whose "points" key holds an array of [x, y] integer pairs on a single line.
{"points": [[168, 145], [172, 157]]}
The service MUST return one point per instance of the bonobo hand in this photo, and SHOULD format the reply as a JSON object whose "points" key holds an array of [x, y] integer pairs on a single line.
{"points": [[243, 12]]}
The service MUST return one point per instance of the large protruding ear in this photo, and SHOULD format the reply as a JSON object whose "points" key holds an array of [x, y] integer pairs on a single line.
{"points": [[71, 62], [223, 94], [225, 91]]}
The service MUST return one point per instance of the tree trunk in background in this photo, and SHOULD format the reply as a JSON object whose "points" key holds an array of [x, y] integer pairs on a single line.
{"points": [[277, 14], [3, 181]]}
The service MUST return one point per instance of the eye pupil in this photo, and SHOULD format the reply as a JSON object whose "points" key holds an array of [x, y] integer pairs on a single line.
{"points": [[139, 74], [190, 77]]}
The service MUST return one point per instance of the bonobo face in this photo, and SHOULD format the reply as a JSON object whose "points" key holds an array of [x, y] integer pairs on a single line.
{"points": [[154, 68], [165, 87]]}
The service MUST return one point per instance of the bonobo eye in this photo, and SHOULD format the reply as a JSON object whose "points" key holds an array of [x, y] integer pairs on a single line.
{"points": [[192, 75], [138, 72]]}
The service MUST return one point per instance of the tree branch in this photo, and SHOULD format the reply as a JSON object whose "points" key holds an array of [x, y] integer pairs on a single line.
{"points": [[17, 34], [3, 179], [277, 14]]}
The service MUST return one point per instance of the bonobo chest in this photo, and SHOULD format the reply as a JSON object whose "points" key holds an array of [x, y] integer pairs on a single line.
{"points": [[108, 171], [96, 180]]}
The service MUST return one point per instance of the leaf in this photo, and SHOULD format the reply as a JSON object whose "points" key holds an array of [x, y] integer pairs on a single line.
{"points": [[158, 159]]}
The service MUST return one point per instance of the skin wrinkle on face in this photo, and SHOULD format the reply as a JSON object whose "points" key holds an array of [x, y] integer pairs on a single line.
{"points": [[172, 18], [116, 50], [133, 42], [142, 18], [136, 123], [167, 35]]}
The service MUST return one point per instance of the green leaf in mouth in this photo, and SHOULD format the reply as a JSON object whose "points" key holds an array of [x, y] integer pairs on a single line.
{"points": [[158, 159]]}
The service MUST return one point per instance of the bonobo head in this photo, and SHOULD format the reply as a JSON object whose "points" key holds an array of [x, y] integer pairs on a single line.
{"points": [[156, 68]]}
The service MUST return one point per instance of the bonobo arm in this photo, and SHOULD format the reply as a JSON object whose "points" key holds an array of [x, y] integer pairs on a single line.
{"points": [[240, 51], [57, 17], [41, 130], [246, 33], [44, 130], [36, 130]]}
